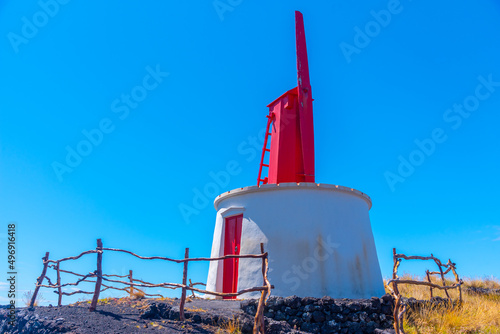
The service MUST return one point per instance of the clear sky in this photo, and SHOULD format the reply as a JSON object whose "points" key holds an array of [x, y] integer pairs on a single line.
{"points": [[407, 101]]}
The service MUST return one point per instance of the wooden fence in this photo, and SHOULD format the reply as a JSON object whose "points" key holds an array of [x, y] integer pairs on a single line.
{"points": [[400, 305], [133, 282]]}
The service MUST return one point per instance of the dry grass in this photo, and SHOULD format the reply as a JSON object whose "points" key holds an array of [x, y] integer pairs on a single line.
{"points": [[488, 282], [106, 300], [29, 294], [232, 326], [478, 314], [137, 294], [195, 309]]}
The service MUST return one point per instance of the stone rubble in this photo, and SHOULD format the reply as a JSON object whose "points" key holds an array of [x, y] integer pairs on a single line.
{"points": [[328, 315]]}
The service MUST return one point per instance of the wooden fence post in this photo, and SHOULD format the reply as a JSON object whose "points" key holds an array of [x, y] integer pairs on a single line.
{"points": [[259, 323], [40, 279], [264, 295], [59, 290], [131, 281], [452, 265], [400, 304], [438, 262], [429, 279], [191, 285], [397, 302], [98, 282], [184, 281]]}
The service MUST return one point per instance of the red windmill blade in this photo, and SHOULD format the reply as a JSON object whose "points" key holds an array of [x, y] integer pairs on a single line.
{"points": [[305, 100]]}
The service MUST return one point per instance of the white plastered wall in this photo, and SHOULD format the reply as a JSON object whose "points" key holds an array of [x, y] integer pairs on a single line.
{"points": [[318, 237]]}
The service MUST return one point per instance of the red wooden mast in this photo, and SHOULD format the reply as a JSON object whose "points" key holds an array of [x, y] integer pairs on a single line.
{"points": [[291, 157]]}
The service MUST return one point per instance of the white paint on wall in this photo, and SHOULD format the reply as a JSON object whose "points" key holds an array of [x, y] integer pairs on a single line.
{"points": [[318, 237]]}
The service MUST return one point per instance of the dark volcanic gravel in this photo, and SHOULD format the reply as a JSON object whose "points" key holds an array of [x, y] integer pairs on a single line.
{"points": [[313, 315], [122, 316]]}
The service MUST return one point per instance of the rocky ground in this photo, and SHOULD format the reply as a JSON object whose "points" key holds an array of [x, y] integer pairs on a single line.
{"points": [[142, 316], [133, 316], [329, 315]]}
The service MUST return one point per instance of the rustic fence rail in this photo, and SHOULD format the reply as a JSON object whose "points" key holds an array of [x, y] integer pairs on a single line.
{"points": [[399, 304], [102, 281]]}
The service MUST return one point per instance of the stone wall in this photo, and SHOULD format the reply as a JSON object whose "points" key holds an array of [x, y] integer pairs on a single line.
{"points": [[328, 315], [481, 291]]}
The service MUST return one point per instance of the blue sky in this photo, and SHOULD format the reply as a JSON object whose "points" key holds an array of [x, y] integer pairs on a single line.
{"points": [[407, 100]]}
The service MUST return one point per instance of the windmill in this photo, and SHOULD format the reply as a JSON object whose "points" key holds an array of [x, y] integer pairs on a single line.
{"points": [[318, 236]]}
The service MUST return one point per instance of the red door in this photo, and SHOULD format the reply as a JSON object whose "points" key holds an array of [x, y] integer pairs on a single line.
{"points": [[232, 241]]}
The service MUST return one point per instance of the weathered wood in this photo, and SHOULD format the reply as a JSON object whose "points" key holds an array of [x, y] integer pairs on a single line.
{"points": [[66, 271], [452, 266], [397, 304], [414, 257], [257, 321], [439, 273], [100, 276], [245, 256], [266, 279], [131, 281], [438, 262], [73, 257], [106, 287], [429, 279], [196, 283], [144, 282], [191, 285], [232, 256], [51, 285], [259, 324], [184, 281], [59, 290], [180, 286], [398, 312], [397, 295], [39, 280], [394, 271], [48, 280], [86, 292], [75, 292], [405, 281], [98, 282], [267, 292], [119, 276], [400, 319], [460, 292], [432, 257], [83, 279]]}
